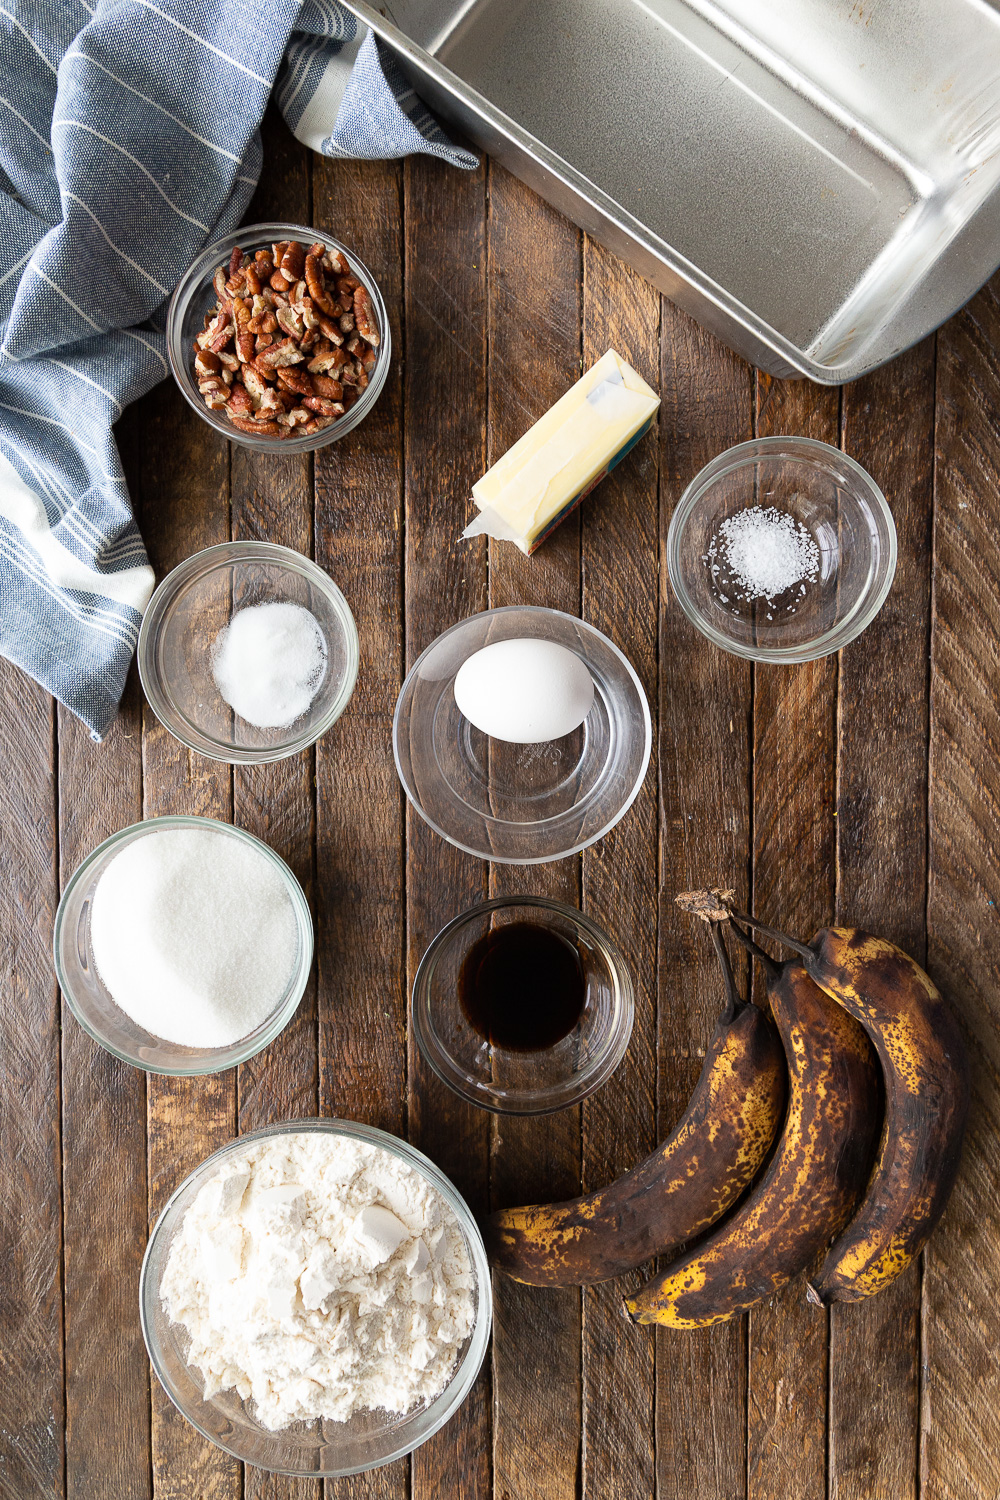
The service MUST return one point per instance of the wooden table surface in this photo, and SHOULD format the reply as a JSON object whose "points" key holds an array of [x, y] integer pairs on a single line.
{"points": [[864, 787]]}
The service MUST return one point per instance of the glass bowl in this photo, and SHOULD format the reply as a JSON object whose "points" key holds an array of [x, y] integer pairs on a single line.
{"points": [[521, 804], [842, 509], [322, 1448], [93, 1006], [523, 1083], [195, 295], [185, 615]]}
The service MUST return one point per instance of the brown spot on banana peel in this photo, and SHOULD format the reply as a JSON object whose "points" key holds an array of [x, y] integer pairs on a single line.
{"points": [[926, 1068], [679, 1190], [812, 1182]]}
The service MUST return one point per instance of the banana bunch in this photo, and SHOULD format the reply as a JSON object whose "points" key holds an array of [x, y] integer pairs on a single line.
{"points": [[859, 1023]]}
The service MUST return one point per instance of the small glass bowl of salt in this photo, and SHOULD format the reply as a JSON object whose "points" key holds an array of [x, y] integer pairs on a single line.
{"points": [[782, 550], [248, 652]]}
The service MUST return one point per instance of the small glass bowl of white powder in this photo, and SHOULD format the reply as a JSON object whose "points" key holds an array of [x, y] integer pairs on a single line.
{"points": [[248, 652], [315, 1298], [183, 945], [782, 550]]}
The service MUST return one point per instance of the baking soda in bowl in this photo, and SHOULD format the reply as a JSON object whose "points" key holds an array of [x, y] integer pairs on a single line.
{"points": [[194, 935], [269, 663]]}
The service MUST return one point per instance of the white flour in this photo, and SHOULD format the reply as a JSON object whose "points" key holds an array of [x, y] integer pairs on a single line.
{"points": [[320, 1276]]}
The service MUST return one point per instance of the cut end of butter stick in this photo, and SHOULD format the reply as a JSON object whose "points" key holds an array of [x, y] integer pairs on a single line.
{"points": [[568, 451]]}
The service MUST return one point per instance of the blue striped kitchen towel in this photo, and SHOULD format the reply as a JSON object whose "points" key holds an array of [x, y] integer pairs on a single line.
{"points": [[129, 138]]}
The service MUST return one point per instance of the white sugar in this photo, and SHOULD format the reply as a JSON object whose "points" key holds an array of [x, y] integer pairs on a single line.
{"points": [[269, 663], [194, 935], [763, 552]]}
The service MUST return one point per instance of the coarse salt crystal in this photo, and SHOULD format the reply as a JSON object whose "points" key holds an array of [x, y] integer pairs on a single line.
{"points": [[764, 552]]}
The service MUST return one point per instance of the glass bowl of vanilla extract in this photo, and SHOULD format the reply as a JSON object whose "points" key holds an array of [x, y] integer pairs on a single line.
{"points": [[523, 1005]]}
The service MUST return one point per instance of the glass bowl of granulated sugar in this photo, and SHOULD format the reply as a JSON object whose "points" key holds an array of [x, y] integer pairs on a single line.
{"points": [[248, 652], [315, 1298], [183, 945], [782, 550]]}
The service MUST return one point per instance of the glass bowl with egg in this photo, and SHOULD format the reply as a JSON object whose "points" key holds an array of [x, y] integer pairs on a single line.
{"points": [[522, 735], [232, 677], [317, 1446], [782, 550], [223, 977]]}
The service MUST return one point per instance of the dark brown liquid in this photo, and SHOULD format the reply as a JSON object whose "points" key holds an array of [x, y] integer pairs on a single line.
{"points": [[521, 987]]}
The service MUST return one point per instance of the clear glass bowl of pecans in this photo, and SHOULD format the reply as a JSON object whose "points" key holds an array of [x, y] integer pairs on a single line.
{"points": [[278, 336]]}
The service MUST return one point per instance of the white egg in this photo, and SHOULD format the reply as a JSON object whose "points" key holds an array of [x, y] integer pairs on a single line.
{"points": [[524, 691]]}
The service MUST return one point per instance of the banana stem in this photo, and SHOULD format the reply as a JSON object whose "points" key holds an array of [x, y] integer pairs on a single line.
{"points": [[765, 960], [734, 1000], [803, 949]]}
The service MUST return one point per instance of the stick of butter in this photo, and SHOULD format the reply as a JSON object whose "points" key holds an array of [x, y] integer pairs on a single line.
{"points": [[568, 451]]}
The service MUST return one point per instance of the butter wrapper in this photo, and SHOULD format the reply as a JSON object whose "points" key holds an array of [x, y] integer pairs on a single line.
{"points": [[558, 461]]}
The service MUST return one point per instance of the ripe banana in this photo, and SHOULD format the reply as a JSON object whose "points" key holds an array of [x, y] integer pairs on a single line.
{"points": [[813, 1180], [926, 1071], [684, 1186]]}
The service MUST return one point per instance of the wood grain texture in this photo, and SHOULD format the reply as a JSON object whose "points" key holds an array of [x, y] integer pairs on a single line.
{"points": [[704, 749], [621, 596], [620, 557], [533, 292], [360, 869], [271, 499], [32, 1409], [105, 1197], [888, 426], [794, 881], [961, 1395], [445, 580], [184, 506]]}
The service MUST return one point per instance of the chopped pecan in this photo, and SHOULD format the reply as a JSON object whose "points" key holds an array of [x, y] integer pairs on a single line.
{"points": [[235, 260], [347, 283], [314, 281], [252, 280], [228, 361], [324, 407], [283, 353], [364, 316], [239, 403], [259, 429], [290, 322], [279, 282], [346, 322], [322, 385], [329, 329], [327, 359], [255, 385], [294, 378], [335, 262], [263, 341], [207, 362], [219, 283], [292, 261]]}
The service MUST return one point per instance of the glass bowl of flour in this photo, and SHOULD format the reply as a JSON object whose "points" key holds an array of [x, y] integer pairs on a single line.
{"points": [[248, 652], [782, 550], [183, 945], [315, 1298]]}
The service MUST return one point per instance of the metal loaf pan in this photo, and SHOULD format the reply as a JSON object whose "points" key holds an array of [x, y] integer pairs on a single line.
{"points": [[818, 181]]}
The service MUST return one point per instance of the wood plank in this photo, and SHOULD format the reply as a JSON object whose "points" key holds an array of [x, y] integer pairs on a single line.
{"points": [[794, 882], [184, 507], [444, 414], [705, 700], [271, 500], [32, 1407], [533, 287], [105, 1216], [888, 426], [961, 1394], [360, 872], [621, 535]]}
